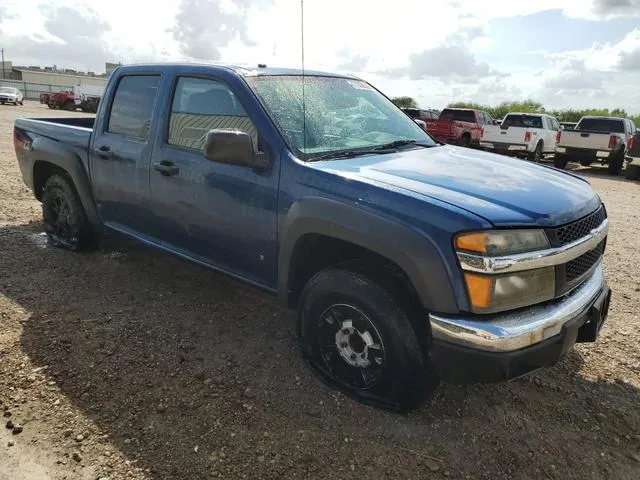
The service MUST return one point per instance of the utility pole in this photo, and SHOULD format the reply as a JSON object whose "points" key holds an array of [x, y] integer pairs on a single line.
{"points": [[4, 75]]}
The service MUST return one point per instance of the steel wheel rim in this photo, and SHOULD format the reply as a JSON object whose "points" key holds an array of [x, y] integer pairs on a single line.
{"points": [[351, 346], [60, 219]]}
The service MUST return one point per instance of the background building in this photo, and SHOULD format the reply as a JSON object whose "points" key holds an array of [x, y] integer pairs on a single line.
{"points": [[34, 80]]}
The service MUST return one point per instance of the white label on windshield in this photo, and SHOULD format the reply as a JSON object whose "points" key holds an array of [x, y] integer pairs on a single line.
{"points": [[360, 85]]}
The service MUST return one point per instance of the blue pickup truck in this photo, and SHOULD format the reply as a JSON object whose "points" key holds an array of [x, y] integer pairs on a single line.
{"points": [[408, 261]]}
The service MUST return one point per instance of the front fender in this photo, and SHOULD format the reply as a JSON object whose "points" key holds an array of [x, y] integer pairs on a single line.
{"points": [[412, 251]]}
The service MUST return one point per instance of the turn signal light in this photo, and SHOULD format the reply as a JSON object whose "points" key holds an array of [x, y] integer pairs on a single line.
{"points": [[527, 137], [612, 142]]}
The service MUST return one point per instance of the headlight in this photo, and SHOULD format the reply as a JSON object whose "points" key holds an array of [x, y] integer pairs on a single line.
{"points": [[494, 293], [502, 242]]}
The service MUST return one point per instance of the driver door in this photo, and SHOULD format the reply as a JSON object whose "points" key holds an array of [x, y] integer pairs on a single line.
{"points": [[219, 214]]}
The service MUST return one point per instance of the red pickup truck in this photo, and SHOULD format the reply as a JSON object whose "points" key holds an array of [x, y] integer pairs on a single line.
{"points": [[459, 126]]}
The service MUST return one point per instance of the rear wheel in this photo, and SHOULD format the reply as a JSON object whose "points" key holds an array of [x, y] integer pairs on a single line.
{"points": [[465, 140], [536, 155], [560, 161], [616, 163], [359, 340], [632, 172], [65, 221]]}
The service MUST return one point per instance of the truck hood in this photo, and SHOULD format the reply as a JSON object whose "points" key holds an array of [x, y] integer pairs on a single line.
{"points": [[502, 190]]}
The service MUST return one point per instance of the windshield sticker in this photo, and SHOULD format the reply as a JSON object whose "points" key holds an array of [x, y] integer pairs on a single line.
{"points": [[360, 85]]}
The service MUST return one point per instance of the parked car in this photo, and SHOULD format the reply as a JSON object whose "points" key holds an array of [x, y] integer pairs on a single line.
{"points": [[459, 126], [421, 113], [596, 139], [420, 116], [74, 100], [530, 135], [632, 172], [408, 261], [10, 95]]}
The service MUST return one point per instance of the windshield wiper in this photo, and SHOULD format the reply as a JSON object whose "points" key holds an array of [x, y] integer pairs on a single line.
{"points": [[402, 143], [350, 154]]}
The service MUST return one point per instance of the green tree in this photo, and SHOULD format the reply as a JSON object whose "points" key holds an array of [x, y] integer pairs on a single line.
{"points": [[405, 102]]}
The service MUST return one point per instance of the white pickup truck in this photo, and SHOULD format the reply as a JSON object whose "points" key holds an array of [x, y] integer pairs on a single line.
{"points": [[596, 139], [529, 135]]}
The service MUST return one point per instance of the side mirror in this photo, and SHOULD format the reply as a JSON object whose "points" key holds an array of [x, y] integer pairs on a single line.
{"points": [[233, 147]]}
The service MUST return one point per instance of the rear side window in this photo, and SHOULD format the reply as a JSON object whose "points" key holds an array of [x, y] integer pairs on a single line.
{"points": [[132, 106], [200, 105], [459, 115]]}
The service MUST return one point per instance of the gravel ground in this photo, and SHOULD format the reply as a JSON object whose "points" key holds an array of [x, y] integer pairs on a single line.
{"points": [[131, 364]]}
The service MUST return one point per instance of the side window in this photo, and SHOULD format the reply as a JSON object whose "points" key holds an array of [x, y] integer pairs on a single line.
{"points": [[200, 105], [132, 106], [489, 120]]}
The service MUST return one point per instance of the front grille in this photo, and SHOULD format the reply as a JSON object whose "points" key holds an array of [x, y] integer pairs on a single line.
{"points": [[581, 265], [573, 273], [573, 231]]}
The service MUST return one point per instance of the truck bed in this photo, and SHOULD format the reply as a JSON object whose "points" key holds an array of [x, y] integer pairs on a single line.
{"points": [[69, 134]]}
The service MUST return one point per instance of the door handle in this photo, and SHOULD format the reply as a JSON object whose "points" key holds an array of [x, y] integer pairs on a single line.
{"points": [[104, 152], [166, 168]]}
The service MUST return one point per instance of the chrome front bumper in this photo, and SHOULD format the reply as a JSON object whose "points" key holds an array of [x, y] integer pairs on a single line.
{"points": [[522, 328]]}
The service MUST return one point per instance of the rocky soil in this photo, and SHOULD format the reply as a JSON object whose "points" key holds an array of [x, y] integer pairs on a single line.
{"points": [[126, 363]]}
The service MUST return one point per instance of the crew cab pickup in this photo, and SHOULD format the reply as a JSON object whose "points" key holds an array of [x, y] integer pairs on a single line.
{"points": [[596, 139], [459, 126], [530, 135], [408, 261]]}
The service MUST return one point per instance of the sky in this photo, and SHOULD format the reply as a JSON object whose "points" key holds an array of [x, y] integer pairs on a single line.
{"points": [[563, 53]]}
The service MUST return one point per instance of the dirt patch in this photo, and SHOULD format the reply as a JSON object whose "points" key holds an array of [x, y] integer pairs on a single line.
{"points": [[128, 363]]}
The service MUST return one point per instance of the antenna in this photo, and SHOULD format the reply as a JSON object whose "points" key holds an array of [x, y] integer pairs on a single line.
{"points": [[304, 103]]}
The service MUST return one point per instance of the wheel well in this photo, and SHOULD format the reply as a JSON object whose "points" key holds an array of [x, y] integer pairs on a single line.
{"points": [[466, 134], [315, 252], [42, 170]]}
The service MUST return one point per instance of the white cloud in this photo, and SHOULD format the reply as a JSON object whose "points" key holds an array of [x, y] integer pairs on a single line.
{"points": [[433, 49]]}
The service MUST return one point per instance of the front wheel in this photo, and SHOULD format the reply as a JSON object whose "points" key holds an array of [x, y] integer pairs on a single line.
{"points": [[65, 221], [358, 339]]}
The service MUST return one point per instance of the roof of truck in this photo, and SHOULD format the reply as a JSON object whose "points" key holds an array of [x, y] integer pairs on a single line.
{"points": [[531, 113], [244, 70]]}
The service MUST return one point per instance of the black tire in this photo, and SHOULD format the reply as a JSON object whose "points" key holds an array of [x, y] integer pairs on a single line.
{"points": [[560, 161], [537, 154], [632, 172], [465, 140], [397, 376], [65, 221], [616, 164]]}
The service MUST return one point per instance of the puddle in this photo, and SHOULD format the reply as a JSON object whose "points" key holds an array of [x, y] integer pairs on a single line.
{"points": [[39, 239]]}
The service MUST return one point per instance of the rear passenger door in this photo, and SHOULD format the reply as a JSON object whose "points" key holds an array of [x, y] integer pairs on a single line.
{"points": [[120, 154], [219, 214]]}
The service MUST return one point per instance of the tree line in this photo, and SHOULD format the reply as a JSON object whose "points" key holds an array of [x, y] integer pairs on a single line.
{"points": [[528, 106]]}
